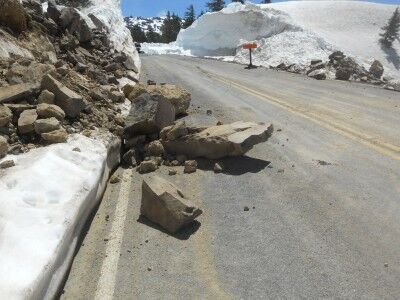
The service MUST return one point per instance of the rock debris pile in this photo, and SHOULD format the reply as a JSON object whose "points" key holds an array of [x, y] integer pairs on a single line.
{"points": [[65, 81]]}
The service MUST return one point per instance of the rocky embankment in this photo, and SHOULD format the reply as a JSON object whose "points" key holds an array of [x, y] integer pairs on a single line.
{"points": [[67, 80]]}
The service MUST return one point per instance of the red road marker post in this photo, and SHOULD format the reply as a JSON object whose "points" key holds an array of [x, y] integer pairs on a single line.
{"points": [[250, 46]]}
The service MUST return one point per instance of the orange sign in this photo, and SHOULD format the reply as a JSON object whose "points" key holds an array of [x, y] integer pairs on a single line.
{"points": [[249, 46]]}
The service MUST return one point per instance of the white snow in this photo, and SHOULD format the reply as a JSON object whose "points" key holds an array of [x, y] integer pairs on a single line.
{"points": [[45, 201], [292, 32], [161, 48]]}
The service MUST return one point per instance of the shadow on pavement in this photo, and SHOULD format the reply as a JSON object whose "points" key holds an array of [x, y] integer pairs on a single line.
{"points": [[183, 234], [235, 165]]}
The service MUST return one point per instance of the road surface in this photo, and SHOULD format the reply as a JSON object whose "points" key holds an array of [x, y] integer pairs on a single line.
{"points": [[323, 193]]}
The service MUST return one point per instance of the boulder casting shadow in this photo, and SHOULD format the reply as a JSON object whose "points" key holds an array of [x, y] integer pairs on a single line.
{"points": [[183, 234]]}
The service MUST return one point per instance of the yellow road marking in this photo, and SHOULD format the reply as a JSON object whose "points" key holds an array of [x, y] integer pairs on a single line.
{"points": [[387, 149]]}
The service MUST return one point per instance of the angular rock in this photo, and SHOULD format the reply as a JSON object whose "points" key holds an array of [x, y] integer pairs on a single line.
{"points": [[376, 69], [319, 74], [180, 98], [3, 146], [343, 73], [13, 15], [134, 91], [337, 55], [148, 114], [17, 109], [219, 141], [5, 116], [129, 64], [129, 158], [46, 125], [163, 203], [56, 136], [76, 24], [174, 132], [218, 168], [26, 121], [7, 164], [53, 11], [97, 22], [190, 166], [17, 92], [155, 148], [46, 97], [70, 102], [147, 166]]}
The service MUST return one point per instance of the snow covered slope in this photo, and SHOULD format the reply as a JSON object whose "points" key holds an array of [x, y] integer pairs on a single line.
{"points": [[295, 32], [144, 23]]}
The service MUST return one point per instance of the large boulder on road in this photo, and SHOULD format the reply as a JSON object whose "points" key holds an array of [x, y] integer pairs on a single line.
{"points": [[70, 102], [179, 97], [217, 141], [148, 114], [164, 204]]}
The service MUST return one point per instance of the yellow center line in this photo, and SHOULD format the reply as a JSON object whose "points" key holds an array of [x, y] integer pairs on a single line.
{"points": [[387, 149]]}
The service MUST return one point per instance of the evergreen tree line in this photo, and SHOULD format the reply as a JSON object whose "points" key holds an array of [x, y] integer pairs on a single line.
{"points": [[391, 30], [173, 24]]}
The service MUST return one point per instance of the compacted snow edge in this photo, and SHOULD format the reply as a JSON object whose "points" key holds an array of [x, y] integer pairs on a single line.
{"points": [[45, 201]]}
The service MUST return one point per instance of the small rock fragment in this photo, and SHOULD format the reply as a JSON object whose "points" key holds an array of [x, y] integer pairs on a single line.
{"points": [[147, 166], [172, 172], [26, 121], [7, 164], [190, 166], [3, 146], [46, 97], [115, 179], [246, 208], [56, 136], [218, 168]]}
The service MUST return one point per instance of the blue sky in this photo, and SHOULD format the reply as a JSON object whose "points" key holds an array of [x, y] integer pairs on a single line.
{"points": [[150, 8]]}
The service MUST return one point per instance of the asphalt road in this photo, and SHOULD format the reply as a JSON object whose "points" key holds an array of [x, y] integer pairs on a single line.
{"points": [[323, 193]]}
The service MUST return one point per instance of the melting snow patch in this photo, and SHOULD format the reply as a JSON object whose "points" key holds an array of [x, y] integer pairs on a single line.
{"points": [[45, 200]]}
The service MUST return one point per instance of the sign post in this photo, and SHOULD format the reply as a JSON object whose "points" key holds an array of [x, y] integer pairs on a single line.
{"points": [[250, 46]]}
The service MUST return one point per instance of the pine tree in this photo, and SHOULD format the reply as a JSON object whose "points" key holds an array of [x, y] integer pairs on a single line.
{"points": [[170, 28], [215, 5], [200, 14], [152, 36], [190, 17], [266, 1], [241, 1], [138, 34], [391, 30]]}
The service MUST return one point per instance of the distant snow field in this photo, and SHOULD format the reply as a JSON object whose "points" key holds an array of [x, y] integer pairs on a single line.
{"points": [[292, 32]]}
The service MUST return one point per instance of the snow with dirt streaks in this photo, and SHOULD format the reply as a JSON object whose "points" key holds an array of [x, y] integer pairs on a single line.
{"points": [[45, 200]]}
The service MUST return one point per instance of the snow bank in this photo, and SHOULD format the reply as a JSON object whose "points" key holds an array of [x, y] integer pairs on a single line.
{"points": [[109, 12], [45, 200], [162, 49], [294, 32]]}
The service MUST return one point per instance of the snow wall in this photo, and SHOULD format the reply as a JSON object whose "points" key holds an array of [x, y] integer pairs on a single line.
{"points": [[294, 32]]}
